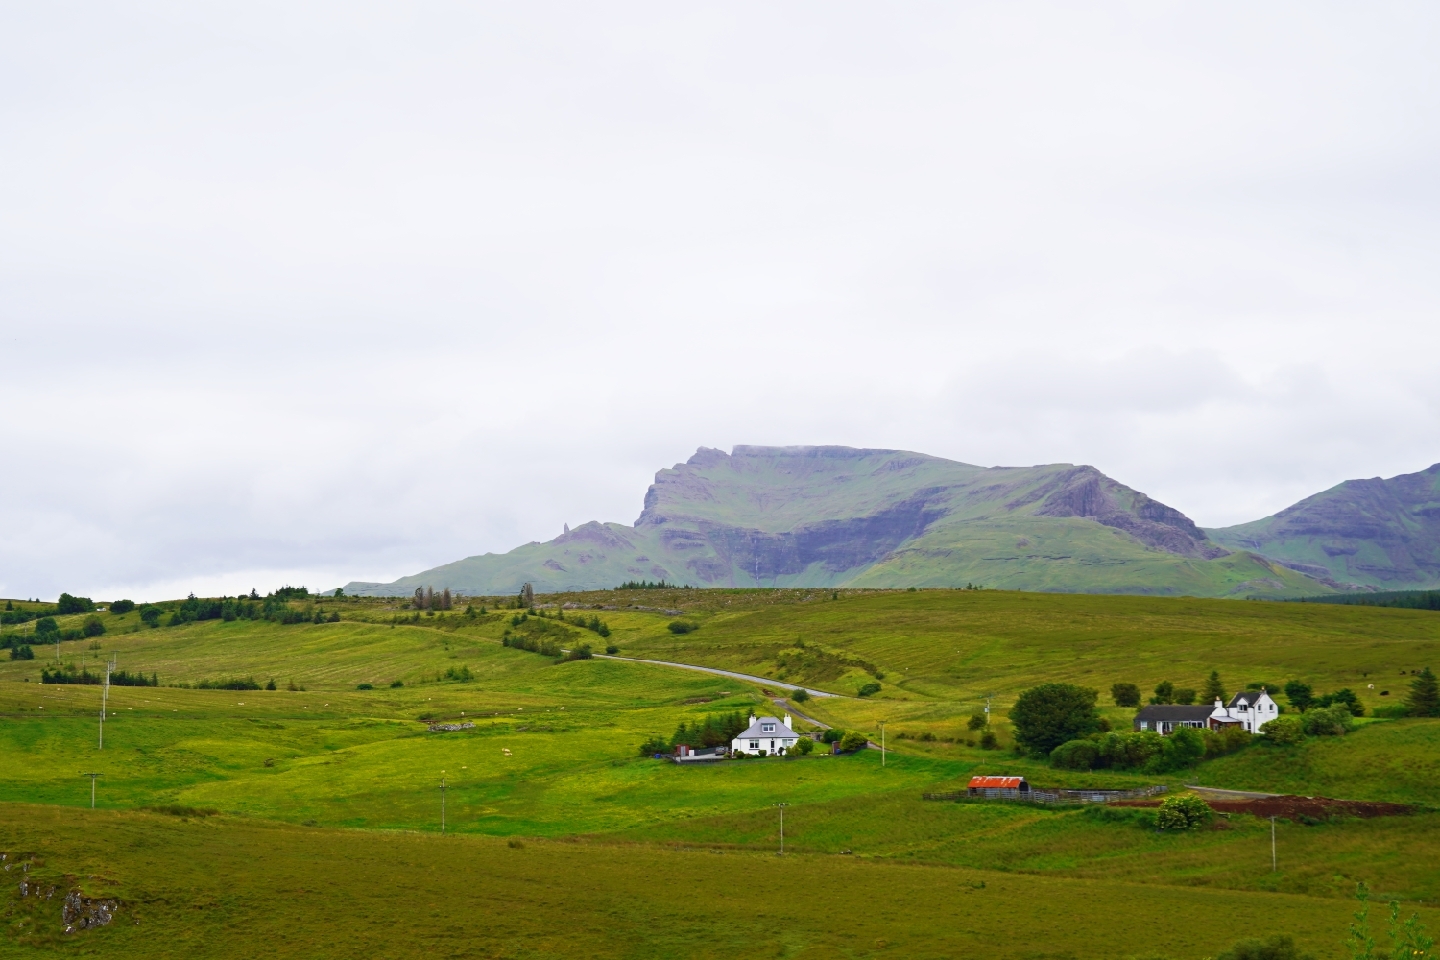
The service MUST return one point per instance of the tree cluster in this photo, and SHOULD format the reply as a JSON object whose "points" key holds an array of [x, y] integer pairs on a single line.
{"points": [[427, 599], [68, 605], [1303, 698]]}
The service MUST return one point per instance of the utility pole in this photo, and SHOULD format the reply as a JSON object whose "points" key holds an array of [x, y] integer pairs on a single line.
{"points": [[105, 700], [92, 777], [1273, 865], [442, 803], [882, 743], [782, 807]]}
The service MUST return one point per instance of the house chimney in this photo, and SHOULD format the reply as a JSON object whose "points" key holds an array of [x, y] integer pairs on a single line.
{"points": [[787, 720], [752, 719]]}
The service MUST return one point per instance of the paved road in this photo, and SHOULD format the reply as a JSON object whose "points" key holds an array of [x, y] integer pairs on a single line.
{"points": [[725, 673], [782, 702]]}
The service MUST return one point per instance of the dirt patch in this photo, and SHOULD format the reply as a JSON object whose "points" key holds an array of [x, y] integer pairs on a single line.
{"points": [[1300, 809]]}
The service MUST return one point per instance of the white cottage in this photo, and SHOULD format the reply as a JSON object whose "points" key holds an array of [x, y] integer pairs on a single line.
{"points": [[765, 737], [1252, 709]]}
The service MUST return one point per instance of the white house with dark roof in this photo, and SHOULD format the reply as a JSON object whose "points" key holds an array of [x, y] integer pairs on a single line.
{"points": [[1250, 710], [765, 737]]}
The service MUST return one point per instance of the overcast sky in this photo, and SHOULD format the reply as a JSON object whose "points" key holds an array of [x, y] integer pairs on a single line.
{"points": [[312, 293]]}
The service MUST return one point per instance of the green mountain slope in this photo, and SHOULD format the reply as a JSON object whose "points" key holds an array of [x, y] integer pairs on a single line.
{"points": [[839, 516], [1374, 533]]}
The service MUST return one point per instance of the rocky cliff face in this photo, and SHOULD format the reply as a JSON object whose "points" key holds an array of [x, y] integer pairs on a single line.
{"points": [[828, 516], [1369, 533]]}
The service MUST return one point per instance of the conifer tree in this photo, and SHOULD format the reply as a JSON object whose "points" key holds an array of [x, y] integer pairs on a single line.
{"points": [[429, 598], [445, 599], [1424, 699], [527, 596], [419, 598], [1214, 689]]}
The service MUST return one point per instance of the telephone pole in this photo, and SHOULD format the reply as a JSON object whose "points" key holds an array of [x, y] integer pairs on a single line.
{"points": [[882, 743], [92, 777], [782, 807], [1273, 862], [442, 803]]}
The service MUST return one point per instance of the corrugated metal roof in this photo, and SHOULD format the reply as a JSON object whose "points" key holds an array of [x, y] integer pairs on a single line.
{"points": [[996, 783]]}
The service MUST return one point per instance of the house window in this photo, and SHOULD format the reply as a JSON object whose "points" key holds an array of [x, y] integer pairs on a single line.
{"points": [[767, 728], [1144, 724], [754, 744]]}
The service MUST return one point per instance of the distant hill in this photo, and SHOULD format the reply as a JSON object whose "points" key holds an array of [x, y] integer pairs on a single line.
{"points": [[838, 516], [1372, 533]]}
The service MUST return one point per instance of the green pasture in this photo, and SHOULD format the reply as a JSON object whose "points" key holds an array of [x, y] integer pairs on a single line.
{"points": [[227, 887], [330, 796]]}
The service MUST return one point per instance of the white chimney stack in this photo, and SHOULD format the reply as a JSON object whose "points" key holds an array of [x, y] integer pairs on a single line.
{"points": [[787, 720]]}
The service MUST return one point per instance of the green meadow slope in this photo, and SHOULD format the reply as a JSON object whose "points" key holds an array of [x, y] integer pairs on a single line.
{"points": [[306, 821], [1374, 533], [837, 516]]}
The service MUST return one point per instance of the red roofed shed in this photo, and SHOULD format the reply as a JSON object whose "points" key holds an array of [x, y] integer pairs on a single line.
{"points": [[1001, 786]]}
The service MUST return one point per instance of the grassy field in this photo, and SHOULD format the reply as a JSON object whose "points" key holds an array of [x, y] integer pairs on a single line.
{"points": [[329, 804]]}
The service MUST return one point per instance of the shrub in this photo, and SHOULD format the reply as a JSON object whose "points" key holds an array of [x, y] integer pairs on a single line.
{"points": [[246, 684], [832, 735], [801, 695], [1130, 751], [580, 652], [271, 684], [1185, 696], [976, 721], [1053, 713], [1075, 755], [1229, 739], [1326, 721], [122, 606], [1284, 730], [94, 627], [459, 675], [1184, 812], [1344, 696], [1276, 948], [22, 652], [364, 686], [1124, 695], [1182, 749], [611, 649], [396, 684], [853, 740], [150, 615], [988, 740], [46, 625], [68, 604], [682, 626], [869, 689], [804, 746]]}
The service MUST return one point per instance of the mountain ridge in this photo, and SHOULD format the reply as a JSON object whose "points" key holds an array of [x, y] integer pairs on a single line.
{"points": [[829, 516]]}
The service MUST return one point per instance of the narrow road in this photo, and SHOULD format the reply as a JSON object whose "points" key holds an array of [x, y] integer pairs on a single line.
{"points": [[1231, 794], [724, 673], [782, 702]]}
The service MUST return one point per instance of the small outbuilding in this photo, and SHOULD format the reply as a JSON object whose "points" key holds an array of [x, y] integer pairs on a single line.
{"points": [[997, 786]]}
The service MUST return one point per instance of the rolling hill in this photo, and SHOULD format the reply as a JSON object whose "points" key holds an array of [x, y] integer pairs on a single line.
{"points": [[839, 516], [1372, 533]]}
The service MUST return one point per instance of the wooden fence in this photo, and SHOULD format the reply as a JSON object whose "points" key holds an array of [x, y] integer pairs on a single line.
{"points": [[1050, 796]]}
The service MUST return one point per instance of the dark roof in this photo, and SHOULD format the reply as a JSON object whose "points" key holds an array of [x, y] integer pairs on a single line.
{"points": [[1174, 713], [1245, 698]]}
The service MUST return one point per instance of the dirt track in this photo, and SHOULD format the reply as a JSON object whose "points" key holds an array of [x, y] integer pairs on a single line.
{"points": [[1295, 808]]}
